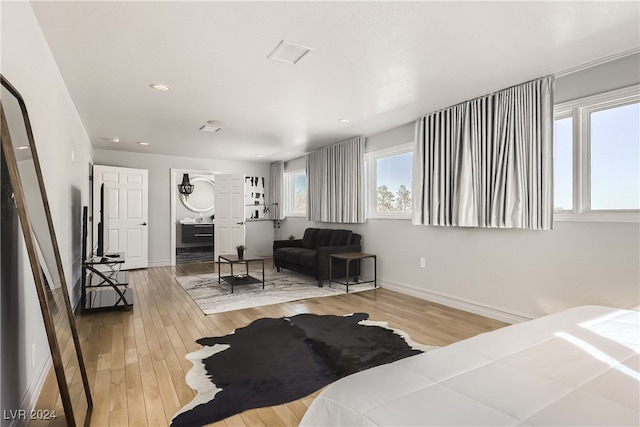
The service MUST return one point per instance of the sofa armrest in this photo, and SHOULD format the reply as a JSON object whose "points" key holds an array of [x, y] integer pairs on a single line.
{"points": [[297, 243], [323, 257]]}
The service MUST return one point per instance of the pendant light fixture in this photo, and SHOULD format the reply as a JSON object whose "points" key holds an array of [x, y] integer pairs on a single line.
{"points": [[185, 188]]}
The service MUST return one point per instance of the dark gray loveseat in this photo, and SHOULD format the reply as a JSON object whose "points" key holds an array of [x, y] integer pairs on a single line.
{"points": [[310, 255]]}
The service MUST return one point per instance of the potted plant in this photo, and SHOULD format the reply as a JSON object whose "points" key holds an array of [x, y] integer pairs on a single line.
{"points": [[292, 237], [240, 249]]}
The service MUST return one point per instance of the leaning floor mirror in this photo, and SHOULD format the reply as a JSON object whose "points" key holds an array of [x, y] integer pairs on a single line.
{"points": [[31, 201]]}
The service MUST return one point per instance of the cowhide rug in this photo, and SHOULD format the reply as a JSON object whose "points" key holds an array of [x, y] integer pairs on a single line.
{"points": [[274, 361]]}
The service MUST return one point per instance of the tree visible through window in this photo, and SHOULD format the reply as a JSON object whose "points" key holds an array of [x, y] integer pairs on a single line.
{"points": [[295, 193], [389, 178], [386, 201], [300, 193]]}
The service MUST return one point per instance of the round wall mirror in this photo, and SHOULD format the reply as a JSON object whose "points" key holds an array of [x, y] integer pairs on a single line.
{"points": [[202, 199]]}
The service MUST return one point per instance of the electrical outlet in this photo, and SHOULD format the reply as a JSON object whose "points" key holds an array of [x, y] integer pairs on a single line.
{"points": [[33, 356], [423, 263]]}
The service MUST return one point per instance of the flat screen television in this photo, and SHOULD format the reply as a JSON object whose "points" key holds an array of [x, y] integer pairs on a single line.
{"points": [[103, 225], [85, 214]]}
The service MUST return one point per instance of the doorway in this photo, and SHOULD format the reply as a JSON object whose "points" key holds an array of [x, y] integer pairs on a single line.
{"points": [[123, 206], [193, 218]]}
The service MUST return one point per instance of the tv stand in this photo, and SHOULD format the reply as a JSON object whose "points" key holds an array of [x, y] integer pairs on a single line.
{"points": [[106, 287]]}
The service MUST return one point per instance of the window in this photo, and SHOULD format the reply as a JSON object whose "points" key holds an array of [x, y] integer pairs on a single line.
{"points": [[389, 174], [615, 158], [597, 157], [563, 164], [295, 193]]}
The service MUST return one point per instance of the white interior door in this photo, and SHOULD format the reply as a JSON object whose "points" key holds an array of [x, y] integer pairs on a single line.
{"points": [[229, 223], [128, 205]]}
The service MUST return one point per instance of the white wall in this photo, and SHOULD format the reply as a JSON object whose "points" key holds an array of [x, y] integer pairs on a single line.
{"points": [[259, 234], [28, 64], [508, 274], [608, 76]]}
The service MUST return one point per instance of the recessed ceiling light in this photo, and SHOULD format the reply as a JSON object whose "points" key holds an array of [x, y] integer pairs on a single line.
{"points": [[258, 155], [23, 147], [289, 52], [143, 143], [344, 120], [160, 86], [113, 139]]}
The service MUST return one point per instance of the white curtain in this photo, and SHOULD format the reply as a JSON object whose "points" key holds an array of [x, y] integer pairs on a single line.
{"points": [[488, 162], [276, 190], [335, 177]]}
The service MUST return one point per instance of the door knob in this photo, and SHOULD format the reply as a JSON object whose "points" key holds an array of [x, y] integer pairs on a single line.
{"points": [[144, 223], [240, 223]]}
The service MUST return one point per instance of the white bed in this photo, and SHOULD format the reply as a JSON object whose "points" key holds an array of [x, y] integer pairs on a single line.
{"points": [[579, 367]]}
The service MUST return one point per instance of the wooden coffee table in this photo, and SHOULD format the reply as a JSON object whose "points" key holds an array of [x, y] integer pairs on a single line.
{"points": [[353, 256], [235, 279]]}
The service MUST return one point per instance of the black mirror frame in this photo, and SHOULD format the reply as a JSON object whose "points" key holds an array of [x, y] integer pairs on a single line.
{"points": [[27, 231]]}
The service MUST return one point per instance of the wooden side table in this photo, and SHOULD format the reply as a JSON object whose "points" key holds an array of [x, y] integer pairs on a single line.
{"points": [[347, 258]]}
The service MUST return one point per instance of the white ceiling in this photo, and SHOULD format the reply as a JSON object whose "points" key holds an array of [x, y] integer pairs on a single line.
{"points": [[379, 64]]}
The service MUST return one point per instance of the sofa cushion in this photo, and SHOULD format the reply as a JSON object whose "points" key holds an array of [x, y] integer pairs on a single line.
{"points": [[290, 254], [309, 239], [293, 254], [340, 237], [324, 237], [308, 259], [280, 253]]}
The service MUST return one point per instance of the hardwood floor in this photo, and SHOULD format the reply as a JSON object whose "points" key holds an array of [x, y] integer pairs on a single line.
{"points": [[136, 360]]}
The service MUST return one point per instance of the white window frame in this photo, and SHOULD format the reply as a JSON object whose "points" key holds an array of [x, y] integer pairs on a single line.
{"points": [[580, 110], [371, 159], [289, 193]]}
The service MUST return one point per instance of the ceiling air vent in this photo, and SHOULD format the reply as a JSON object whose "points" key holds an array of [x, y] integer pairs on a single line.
{"points": [[207, 128], [289, 52], [212, 126]]}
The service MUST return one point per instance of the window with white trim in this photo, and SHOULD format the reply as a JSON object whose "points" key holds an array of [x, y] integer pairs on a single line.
{"points": [[295, 193], [388, 178], [597, 157]]}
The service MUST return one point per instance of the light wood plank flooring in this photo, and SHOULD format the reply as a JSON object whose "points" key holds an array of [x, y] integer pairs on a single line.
{"points": [[136, 360]]}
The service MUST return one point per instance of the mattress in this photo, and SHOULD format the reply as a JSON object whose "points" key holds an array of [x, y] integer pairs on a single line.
{"points": [[578, 367]]}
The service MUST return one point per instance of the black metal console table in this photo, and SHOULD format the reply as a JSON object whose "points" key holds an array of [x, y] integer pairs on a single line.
{"points": [[111, 284], [239, 279]]}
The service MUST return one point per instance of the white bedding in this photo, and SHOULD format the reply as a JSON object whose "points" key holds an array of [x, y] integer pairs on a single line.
{"points": [[579, 367]]}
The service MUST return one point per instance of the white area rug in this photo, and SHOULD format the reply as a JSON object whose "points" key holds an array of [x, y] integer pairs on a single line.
{"points": [[213, 297]]}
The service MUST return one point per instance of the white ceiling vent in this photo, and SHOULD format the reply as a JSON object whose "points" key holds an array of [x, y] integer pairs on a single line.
{"points": [[212, 126], [289, 52]]}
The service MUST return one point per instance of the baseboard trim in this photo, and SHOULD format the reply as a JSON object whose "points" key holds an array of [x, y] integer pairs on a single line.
{"points": [[164, 263], [459, 303], [31, 395]]}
